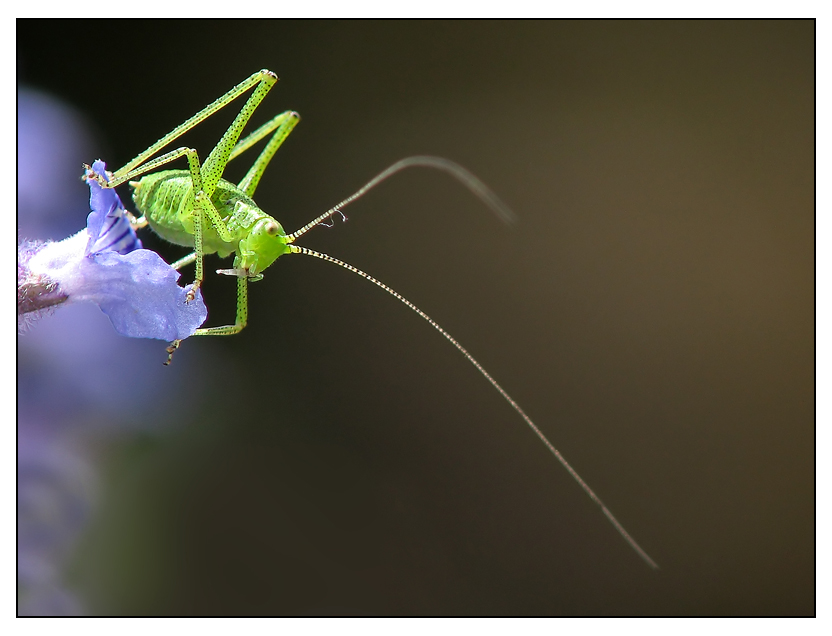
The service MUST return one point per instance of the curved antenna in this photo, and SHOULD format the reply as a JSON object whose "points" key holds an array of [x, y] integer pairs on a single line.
{"points": [[466, 178], [296, 249]]}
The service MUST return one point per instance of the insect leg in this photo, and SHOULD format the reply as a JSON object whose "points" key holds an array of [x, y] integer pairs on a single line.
{"points": [[227, 330], [284, 123], [204, 212], [214, 165], [185, 260], [173, 155], [242, 313], [264, 77]]}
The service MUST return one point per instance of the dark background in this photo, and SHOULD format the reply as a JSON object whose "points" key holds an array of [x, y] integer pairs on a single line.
{"points": [[652, 311]]}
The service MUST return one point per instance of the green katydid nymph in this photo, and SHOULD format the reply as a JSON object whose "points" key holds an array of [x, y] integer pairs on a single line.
{"points": [[196, 207]]}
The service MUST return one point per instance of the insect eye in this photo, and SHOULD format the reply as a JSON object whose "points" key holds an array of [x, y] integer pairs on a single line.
{"points": [[271, 229]]}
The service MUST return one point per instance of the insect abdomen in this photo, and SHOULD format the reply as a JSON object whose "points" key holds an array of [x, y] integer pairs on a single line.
{"points": [[166, 200]]}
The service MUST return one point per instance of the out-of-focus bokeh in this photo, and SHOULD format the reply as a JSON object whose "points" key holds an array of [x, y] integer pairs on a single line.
{"points": [[652, 311]]}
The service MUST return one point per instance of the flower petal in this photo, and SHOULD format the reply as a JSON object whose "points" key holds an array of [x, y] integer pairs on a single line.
{"points": [[139, 292], [107, 224], [105, 264]]}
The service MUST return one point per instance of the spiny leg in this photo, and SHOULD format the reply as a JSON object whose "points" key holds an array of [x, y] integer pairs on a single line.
{"points": [[214, 166], [185, 260], [296, 249], [171, 349], [242, 314], [150, 166], [199, 243], [260, 133], [265, 78], [204, 212], [284, 123], [227, 330]]}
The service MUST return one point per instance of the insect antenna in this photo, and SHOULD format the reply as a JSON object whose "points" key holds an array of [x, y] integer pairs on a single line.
{"points": [[480, 190], [296, 249]]}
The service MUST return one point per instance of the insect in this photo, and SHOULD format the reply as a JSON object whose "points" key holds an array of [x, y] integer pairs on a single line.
{"points": [[198, 208]]}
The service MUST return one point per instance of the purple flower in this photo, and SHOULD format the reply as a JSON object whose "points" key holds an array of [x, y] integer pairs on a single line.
{"points": [[72, 414], [105, 264]]}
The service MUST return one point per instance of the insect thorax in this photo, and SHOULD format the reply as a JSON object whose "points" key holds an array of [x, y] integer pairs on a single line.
{"points": [[166, 199]]}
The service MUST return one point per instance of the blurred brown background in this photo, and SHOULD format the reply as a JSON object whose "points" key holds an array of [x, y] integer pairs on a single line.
{"points": [[652, 311]]}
